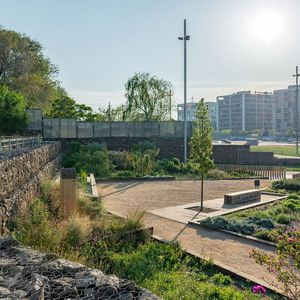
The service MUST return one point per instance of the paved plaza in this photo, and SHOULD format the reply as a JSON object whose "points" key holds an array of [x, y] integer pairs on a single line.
{"points": [[227, 251]]}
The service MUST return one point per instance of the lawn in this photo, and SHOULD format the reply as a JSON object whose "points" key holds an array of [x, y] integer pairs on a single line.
{"points": [[280, 150]]}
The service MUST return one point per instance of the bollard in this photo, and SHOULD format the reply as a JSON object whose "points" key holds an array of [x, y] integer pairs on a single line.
{"points": [[68, 191], [257, 183]]}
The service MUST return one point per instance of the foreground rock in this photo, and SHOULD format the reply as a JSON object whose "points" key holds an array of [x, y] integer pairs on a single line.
{"points": [[28, 274]]}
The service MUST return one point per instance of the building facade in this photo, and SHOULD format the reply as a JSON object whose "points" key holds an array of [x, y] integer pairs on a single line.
{"points": [[245, 111], [191, 111], [285, 113]]}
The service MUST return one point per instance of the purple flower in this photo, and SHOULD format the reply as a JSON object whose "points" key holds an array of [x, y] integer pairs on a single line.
{"points": [[259, 289]]}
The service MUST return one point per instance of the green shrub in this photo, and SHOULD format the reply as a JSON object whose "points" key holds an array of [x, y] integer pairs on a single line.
{"points": [[77, 229], [292, 204], [287, 184], [264, 235], [120, 160], [125, 173], [170, 166], [217, 174], [182, 285], [50, 195], [91, 206], [283, 219], [221, 279], [35, 229]]}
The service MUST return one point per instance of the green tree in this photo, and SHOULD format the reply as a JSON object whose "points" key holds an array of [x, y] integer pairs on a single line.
{"points": [[63, 107], [13, 117], [25, 69], [148, 98], [201, 144], [111, 114]]}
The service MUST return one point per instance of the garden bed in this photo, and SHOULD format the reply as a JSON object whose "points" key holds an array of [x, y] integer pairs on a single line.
{"points": [[263, 222]]}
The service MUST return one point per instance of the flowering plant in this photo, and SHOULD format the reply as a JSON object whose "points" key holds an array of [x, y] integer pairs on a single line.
{"points": [[285, 264]]}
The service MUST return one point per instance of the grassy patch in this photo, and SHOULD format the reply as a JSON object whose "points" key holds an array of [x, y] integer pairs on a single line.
{"points": [[280, 150]]}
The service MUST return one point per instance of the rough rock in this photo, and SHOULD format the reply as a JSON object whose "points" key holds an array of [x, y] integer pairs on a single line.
{"points": [[28, 274]]}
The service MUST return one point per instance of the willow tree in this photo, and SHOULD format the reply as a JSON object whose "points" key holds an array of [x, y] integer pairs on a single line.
{"points": [[148, 98], [201, 144]]}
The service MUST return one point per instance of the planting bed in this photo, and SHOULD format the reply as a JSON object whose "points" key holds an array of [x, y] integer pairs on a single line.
{"points": [[263, 222]]}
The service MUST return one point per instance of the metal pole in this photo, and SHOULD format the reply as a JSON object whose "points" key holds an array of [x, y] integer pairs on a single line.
{"points": [[185, 38], [297, 111]]}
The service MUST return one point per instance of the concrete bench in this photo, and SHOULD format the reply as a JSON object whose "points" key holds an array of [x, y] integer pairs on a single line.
{"points": [[243, 196]]}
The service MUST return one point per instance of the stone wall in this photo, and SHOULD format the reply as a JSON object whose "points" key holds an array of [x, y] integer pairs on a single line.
{"points": [[20, 177], [28, 274]]}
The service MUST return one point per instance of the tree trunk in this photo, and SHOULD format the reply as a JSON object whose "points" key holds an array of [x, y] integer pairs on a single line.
{"points": [[201, 202]]}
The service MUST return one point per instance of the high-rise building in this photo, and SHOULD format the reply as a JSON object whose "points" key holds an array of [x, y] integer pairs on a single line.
{"points": [[191, 108], [285, 103], [245, 111]]}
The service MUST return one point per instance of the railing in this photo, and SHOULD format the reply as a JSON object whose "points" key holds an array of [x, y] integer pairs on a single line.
{"points": [[271, 172], [10, 143]]}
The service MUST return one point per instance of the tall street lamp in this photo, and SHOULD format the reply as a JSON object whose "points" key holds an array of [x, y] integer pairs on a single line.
{"points": [[297, 111], [184, 39]]}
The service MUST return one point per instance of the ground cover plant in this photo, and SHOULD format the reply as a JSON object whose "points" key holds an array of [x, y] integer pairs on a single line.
{"points": [[141, 160], [279, 150], [121, 247], [264, 222], [289, 185]]}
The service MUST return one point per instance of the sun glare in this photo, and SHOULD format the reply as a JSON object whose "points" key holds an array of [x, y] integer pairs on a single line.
{"points": [[267, 26]]}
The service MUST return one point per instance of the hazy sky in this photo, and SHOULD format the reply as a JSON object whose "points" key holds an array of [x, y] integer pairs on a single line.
{"points": [[98, 44]]}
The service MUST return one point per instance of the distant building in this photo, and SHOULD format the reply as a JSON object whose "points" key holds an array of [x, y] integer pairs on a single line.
{"points": [[285, 103], [191, 108], [245, 111]]}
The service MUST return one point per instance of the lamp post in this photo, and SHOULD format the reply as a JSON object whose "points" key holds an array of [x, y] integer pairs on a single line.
{"points": [[184, 39], [297, 111]]}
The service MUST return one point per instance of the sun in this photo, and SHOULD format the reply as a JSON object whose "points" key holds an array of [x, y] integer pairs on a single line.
{"points": [[267, 26]]}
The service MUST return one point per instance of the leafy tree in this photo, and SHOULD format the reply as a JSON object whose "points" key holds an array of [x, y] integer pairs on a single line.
{"points": [[63, 107], [201, 143], [12, 111], [111, 114], [66, 107], [25, 69], [148, 98]]}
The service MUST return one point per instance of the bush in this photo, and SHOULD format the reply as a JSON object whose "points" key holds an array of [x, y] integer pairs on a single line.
{"points": [[91, 206], [183, 285], [13, 117], [120, 160], [264, 235], [292, 204], [217, 174], [283, 219], [125, 174], [170, 166], [77, 228], [287, 184], [50, 195], [35, 229]]}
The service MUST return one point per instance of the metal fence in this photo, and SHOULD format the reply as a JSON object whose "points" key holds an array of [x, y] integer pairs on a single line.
{"points": [[70, 128], [10, 143], [271, 172]]}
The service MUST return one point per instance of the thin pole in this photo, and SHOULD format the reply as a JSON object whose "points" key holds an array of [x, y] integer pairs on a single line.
{"points": [[297, 111], [185, 38], [185, 96]]}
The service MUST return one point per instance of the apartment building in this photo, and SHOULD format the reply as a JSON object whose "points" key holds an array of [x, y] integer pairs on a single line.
{"points": [[245, 111]]}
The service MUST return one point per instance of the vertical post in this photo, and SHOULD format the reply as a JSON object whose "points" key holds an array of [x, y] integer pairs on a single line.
{"points": [[297, 111], [185, 38], [68, 191]]}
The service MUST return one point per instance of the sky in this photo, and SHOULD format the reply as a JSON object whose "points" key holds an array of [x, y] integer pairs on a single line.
{"points": [[98, 44]]}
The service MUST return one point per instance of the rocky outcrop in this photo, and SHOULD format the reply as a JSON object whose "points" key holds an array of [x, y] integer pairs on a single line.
{"points": [[28, 274], [20, 176]]}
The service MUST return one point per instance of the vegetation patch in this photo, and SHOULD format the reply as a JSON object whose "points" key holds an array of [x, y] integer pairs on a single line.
{"points": [[264, 222], [121, 247]]}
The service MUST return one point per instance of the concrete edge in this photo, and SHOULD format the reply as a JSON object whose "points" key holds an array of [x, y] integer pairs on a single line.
{"points": [[227, 269], [248, 237], [158, 178]]}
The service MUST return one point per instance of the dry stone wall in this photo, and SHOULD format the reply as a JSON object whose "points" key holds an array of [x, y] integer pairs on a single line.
{"points": [[28, 274], [20, 177]]}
